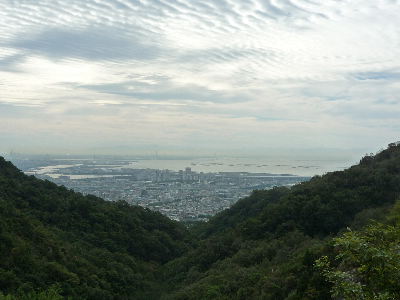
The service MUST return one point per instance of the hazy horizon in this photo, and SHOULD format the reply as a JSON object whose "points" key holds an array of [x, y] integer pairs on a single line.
{"points": [[303, 162], [159, 153]]}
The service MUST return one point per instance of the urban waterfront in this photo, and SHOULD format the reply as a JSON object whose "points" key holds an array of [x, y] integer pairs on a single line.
{"points": [[184, 195]]}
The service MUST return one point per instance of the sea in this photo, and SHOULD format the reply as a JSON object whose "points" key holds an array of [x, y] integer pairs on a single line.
{"points": [[300, 167]]}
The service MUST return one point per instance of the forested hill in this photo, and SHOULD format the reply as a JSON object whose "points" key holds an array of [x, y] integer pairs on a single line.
{"points": [[305, 242], [266, 245], [92, 248], [321, 206]]}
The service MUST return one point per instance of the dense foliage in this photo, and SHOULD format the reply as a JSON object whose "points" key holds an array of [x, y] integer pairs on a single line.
{"points": [[265, 247], [52, 293], [367, 264], [93, 248]]}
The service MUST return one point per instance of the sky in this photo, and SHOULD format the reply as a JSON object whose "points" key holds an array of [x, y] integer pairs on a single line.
{"points": [[196, 77]]}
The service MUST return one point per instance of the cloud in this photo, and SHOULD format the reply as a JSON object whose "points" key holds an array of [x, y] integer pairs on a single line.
{"points": [[166, 91], [259, 71], [90, 44], [382, 75], [10, 63]]}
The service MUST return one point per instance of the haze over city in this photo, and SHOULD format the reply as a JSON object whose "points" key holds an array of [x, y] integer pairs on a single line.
{"points": [[198, 77]]}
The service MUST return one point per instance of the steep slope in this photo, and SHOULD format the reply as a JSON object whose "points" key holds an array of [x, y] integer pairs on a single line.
{"points": [[366, 264], [265, 246], [321, 206], [92, 248]]}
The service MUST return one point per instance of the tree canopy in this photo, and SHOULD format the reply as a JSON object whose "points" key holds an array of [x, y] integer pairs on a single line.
{"points": [[312, 241]]}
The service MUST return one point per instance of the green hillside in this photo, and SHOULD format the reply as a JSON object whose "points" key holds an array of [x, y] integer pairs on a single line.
{"points": [[91, 247], [265, 246], [312, 241]]}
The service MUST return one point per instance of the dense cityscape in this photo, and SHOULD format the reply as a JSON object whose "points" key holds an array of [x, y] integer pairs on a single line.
{"points": [[184, 195]]}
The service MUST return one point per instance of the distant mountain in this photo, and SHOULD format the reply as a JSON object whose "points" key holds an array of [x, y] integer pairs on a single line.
{"points": [[305, 242]]}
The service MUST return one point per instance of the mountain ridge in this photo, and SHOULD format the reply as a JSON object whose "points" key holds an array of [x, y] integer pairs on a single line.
{"points": [[263, 247], [276, 235], [52, 235]]}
